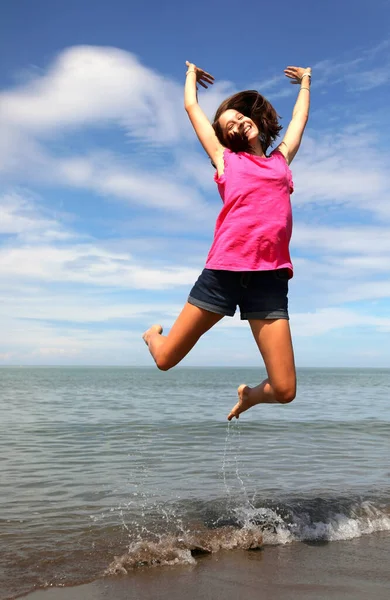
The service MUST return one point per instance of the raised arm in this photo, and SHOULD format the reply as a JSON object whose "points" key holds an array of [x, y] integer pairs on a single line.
{"points": [[293, 136], [200, 122]]}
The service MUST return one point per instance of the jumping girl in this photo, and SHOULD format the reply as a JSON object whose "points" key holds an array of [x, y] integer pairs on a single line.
{"points": [[249, 262]]}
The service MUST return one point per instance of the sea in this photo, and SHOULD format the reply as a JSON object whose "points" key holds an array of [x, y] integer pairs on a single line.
{"points": [[106, 470]]}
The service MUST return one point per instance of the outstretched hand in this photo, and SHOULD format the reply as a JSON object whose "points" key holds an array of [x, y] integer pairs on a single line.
{"points": [[295, 73], [202, 77]]}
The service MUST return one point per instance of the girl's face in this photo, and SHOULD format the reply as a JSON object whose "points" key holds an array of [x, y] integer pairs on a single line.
{"points": [[233, 122]]}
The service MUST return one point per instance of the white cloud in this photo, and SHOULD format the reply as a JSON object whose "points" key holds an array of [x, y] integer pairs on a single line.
{"points": [[30, 342], [341, 240], [325, 320], [88, 264], [362, 72], [102, 175], [89, 85], [265, 85], [84, 85], [111, 177], [86, 307], [367, 80], [92, 86], [57, 352], [23, 217], [40, 249], [345, 167], [364, 290]]}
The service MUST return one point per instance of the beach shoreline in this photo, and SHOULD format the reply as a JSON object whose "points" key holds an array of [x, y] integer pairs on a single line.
{"points": [[354, 569]]}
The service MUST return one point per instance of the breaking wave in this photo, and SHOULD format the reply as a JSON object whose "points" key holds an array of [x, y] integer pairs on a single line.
{"points": [[196, 528]]}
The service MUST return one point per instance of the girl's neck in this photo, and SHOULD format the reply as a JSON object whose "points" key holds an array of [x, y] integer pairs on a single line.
{"points": [[257, 148]]}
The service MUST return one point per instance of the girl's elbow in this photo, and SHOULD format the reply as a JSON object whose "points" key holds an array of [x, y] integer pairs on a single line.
{"points": [[189, 106]]}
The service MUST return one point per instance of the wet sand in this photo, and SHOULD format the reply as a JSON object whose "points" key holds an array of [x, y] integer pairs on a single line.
{"points": [[348, 570]]}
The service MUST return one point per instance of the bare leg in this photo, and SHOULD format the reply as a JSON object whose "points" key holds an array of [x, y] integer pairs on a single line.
{"points": [[273, 339], [190, 325]]}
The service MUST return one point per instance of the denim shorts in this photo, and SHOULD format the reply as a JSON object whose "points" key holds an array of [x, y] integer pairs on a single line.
{"points": [[259, 294]]}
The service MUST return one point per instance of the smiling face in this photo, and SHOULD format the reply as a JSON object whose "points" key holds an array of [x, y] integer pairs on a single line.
{"points": [[233, 122]]}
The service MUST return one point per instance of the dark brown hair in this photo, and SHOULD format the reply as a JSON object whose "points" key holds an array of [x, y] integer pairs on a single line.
{"points": [[253, 105]]}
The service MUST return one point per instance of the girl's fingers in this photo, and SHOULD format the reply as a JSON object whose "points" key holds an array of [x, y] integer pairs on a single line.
{"points": [[207, 76], [204, 79], [202, 84], [205, 73]]}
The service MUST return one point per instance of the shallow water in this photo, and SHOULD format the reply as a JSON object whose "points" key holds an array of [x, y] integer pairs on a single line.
{"points": [[99, 463]]}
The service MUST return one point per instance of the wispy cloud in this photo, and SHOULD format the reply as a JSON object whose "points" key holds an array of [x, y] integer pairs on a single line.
{"points": [[358, 73], [23, 218], [88, 265]]}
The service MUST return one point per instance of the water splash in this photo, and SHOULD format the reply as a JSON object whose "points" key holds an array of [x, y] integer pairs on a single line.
{"points": [[231, 467], [171, 550], [256, 527]]}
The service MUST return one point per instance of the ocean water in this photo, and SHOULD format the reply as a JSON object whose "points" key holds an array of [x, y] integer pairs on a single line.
{"points": [[105, 470]]}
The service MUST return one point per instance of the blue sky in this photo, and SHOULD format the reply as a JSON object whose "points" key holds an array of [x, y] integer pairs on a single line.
{"points": [[107, 201]]}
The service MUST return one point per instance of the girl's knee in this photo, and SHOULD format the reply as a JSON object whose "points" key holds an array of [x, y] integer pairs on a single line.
{"points": [[286, 393], [163, 364]]}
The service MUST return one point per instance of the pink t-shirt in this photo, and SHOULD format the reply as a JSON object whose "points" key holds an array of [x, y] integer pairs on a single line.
{"points": [[253, 229]]}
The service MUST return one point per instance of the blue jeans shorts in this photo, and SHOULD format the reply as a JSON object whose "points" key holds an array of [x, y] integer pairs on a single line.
{"points": [[259, 294]]}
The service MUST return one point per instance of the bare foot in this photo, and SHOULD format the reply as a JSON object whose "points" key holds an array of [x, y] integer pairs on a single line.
{"points": [[243, 402], [151, 331]]}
